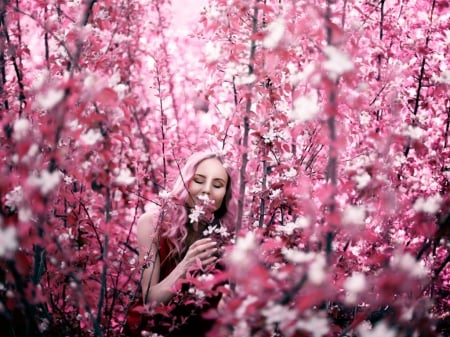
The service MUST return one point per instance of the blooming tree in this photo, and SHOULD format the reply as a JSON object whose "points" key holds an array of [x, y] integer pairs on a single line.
{"points": [[335, 115]]}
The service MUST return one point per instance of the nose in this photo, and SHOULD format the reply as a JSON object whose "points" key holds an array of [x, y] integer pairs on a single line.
{"points": [[206, 188]]}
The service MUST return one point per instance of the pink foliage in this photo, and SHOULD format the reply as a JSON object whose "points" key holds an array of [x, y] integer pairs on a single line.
{"points": [[336, 113]]}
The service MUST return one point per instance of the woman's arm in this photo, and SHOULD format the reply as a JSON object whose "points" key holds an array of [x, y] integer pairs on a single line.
{"points": [[153, 289]]}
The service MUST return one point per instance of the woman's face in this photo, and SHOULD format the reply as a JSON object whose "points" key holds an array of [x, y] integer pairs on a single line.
{"points": [[210, 179]]}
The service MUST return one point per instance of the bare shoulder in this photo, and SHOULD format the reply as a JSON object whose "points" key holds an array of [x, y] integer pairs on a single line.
{"points": [[147, 224]]}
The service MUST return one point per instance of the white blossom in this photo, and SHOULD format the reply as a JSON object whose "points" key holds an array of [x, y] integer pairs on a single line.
{"points": [[354, 285], [63, 237], [25, 214], [355, 250], [275, 193], [145, 333], [209, 230], [242, 329], [275, 32], [164, 194], [308, 70], [195, 214], [121, 89], [317, 326], [91, 137], [354, 215], [362, 180], [291, 173], [255, 189], [46, 181], [364, 118], [399, 160], [43, 325], [414, 132], [297, 256], [125, 177], [444, 78], [120, 38], [305, 108], [222, 231], [14, 198], [40, 79], [290, 227], [245, 79], [49, 99], [204, 198], [380, 330], [118, 195], [214, 229], [90, 83], [337, 62], [208, 277], [409, 264], [31, 154], [428, 205], [212, 51], [197, 292], [8, 241], [316, 272], [276, 313], [269, 137], [241, 311], [21, 129], [243, 247]]}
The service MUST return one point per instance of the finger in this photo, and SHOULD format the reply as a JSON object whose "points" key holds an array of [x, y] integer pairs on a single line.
{"points": [[206, 253], [209, 260], [204, 241], [203, 247]]}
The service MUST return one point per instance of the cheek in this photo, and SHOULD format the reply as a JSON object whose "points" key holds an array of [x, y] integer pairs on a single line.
{"points": [[218, 197], [193, 192], [193, 189]]}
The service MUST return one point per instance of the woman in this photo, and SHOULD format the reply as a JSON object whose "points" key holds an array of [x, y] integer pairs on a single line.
{"points": [[172, 246]]}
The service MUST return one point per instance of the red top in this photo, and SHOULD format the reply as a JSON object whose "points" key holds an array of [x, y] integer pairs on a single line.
{"points": [[187, 317], [167, 263]]}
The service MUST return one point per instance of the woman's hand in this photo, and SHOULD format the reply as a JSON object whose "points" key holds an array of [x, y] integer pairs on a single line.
{"points": [[202, 250]]}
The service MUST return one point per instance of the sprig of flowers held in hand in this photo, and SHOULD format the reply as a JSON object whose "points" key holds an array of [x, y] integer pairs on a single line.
{"points": [[202, 211]]}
